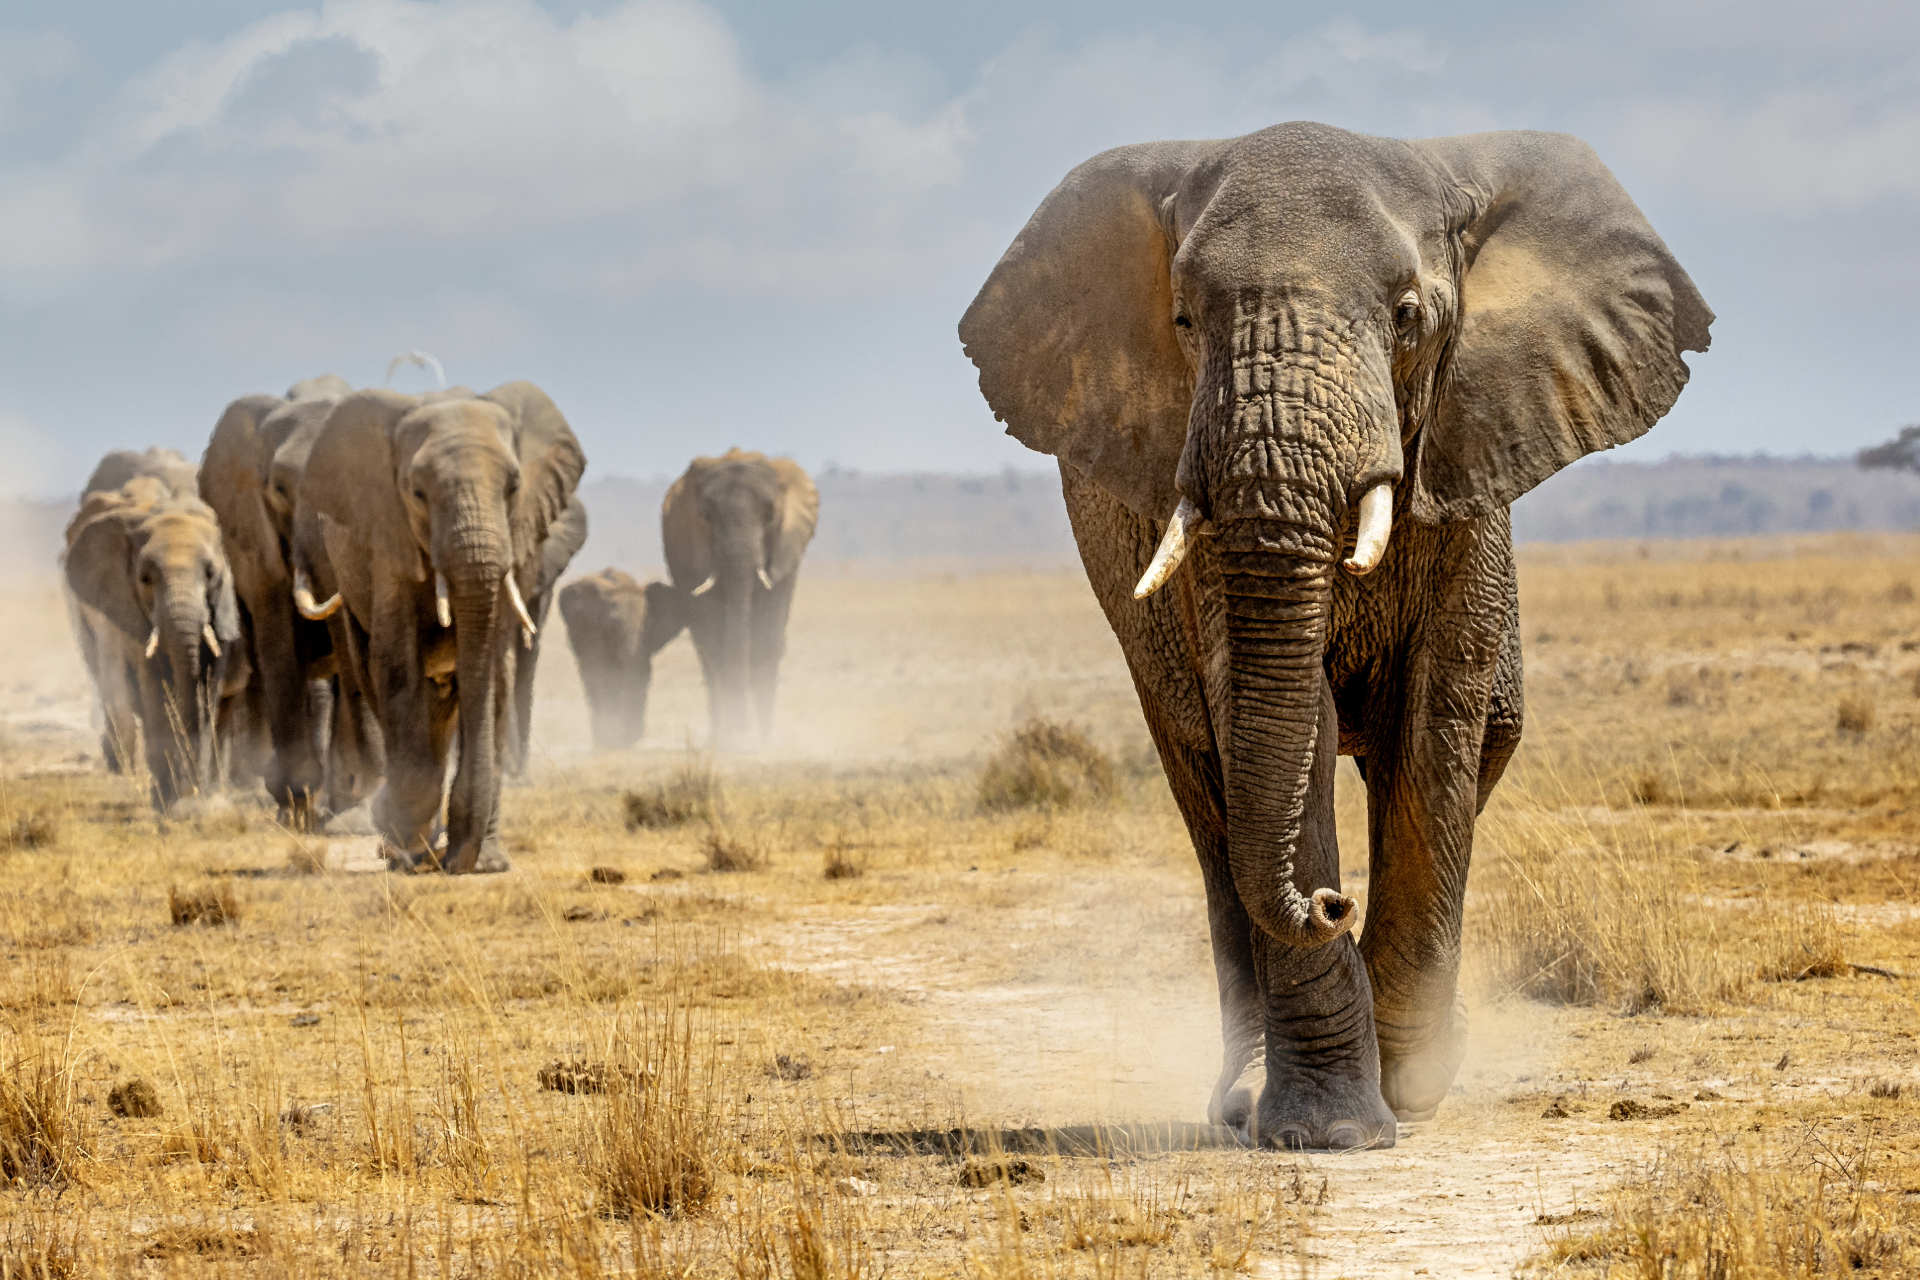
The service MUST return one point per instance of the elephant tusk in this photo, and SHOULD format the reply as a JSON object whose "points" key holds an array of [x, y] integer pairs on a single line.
{"points": [[527, 629], [1172, 550], [1376, 525], [153, 643], [213, 641], [704, 587], [441, 608], [303, 599], [765, 580]]}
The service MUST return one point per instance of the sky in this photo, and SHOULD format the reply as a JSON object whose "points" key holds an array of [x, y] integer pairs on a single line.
{"points": [[757, 223]]}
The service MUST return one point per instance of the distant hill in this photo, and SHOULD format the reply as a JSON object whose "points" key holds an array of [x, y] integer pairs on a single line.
{"points": [[1016, 518]]}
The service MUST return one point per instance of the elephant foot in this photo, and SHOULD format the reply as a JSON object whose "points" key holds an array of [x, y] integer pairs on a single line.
{"points": [[1327, 1115], [1414, 1083], [1232, 1103]]}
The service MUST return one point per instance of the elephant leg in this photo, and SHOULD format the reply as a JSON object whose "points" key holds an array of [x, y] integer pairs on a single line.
{"points": [[417, 719], [119, 698], [704, 624], [1506, 705], [1430, 762], [769, 646]]}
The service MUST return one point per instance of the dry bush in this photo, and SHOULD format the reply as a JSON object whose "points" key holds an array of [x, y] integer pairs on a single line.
{"points": [[727, 852], [33, 829], [1731, 1208], [1855, 714], [841, 862], [658, 1147], [43, 1131], [1616, 915], [217, 905], [135, 1099], [1046, 764], [607, 875], [691, 793]]}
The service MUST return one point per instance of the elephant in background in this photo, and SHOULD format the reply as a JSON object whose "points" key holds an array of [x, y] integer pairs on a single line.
{"points": [[615, 626], [734, 529], [1293, 381], [152, 602], [321, 751], [432, 513], [168, 466], [564, 540]]}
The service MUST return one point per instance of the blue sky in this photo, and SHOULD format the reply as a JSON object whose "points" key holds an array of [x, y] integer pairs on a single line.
{"points": [[757, 223]]}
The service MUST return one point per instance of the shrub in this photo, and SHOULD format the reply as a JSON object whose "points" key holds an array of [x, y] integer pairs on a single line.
{"points": [[206, 906], [135, 1098], [1855, 714], [727, 852], [841, 863], [36, 829], [691, 793], [42, 1132], [1045, 764]]}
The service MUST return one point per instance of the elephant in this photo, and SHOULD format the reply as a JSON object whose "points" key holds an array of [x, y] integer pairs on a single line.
{"points": [[322, 751], [615, 626], [152, 601], [1293, 381], [734, 529], [564, 540], [432, 512], [167, 466]]}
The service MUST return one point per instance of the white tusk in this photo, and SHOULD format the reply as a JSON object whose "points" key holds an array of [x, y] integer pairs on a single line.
{"points": [[766, 581], [527, 629], [1172, 550], [441, 609], [1376, 526], [704, 587], [303, 599], [213, 641], [153, 642]]}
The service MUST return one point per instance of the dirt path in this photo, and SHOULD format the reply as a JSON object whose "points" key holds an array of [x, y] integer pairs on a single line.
{"points": [[1461, 1195]]}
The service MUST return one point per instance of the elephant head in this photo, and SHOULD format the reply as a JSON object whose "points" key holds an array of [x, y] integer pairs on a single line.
{"points": [[435, 510], [1284, 342], [615, 626], [151, 565], [176, 475], [734, 529]]}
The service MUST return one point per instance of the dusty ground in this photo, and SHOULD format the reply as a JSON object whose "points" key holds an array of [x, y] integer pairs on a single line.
{"points": [[349, 1072]]}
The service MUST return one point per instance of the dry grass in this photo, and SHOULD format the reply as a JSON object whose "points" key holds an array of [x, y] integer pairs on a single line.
{"points": [[1688, 891], [217, 905], [1046, 764]]}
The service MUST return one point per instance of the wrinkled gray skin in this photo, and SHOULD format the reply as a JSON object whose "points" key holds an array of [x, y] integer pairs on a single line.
{"points": [[563, 542], [734, 529], [615, 626], [401, 490], [321, 751], [144, 565], [1268, 326]]}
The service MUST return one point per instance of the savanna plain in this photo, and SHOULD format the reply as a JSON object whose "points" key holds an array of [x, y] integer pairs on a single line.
{"points": [[922, 988]]}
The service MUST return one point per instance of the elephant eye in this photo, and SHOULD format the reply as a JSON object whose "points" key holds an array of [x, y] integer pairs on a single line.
{"points": [[1181, 322], [1406, 312], [419, 495]]}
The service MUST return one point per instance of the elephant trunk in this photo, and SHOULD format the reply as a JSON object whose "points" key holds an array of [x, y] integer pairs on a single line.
{"points": [[743, 561], [479, 610], [1285, 866], [182, 620]]}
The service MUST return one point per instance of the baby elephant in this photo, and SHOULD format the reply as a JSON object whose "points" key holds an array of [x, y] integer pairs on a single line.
{"points": [[154, 611], [615, 626]]}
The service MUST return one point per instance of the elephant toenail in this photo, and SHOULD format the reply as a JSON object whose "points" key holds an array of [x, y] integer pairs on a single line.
{"points": [[1292, 1137], [1346, 1137]]}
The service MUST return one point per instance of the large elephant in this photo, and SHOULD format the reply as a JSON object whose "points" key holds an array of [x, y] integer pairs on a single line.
{"points": [[1255, 360], [734, 529], [321, 752], [153, 607], [432, 512], [564, 540], [615, 626]]}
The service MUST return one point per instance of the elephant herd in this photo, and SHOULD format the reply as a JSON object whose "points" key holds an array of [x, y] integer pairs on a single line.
{"points": [[345, 602]]}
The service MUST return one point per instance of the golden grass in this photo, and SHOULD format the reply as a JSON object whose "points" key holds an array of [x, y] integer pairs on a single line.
{"points": [[623, 1059]]}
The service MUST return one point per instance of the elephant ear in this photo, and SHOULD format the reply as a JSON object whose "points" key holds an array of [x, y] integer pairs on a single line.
{"points": [[234, 473], [685, 536], [551, 463], [1573, 318], [99, 562], [1073, 332], [351, 477], [798, 514], [564, 539]]}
